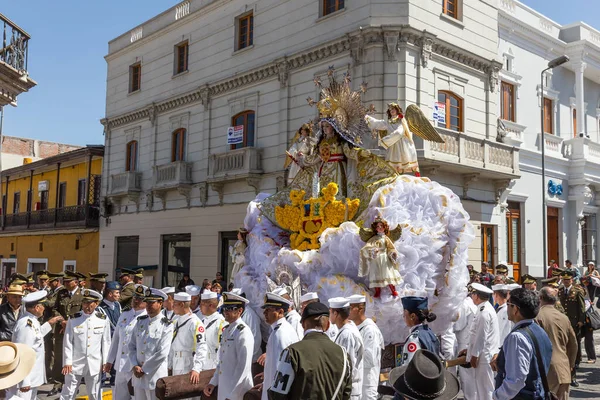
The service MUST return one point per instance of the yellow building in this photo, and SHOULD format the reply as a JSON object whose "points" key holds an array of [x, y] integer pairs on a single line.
{"points": [[52, 214]]}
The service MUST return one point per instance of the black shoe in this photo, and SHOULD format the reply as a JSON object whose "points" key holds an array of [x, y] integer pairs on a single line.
{"points": [[53, 392], [574, 383]]}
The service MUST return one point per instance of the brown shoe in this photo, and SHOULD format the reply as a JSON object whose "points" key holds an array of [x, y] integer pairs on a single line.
{"points": [[591, 361]]}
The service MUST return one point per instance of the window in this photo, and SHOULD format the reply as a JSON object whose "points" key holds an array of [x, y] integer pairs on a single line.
{"points": [[451, 8], [488, 240], [9, 267], [62, 194], [69, 265], [135, 77], [127, 251], [508, 102], [454, 120], [508, 64], [131, 157], [176, 257], [548, 125], [246, 119], [331, 6], [94, 193], [181, 57], [513, 238], [553, 233], [81, 192], [44, 200], [574, 122], [245, 31], [588, 238], [228, 240], [29, 198], [178, 145], [16, 202]]}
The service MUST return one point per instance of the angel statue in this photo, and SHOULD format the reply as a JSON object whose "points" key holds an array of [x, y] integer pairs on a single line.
{"points": [[237, 253], [398, 136], [302, 144], [379, 257]]}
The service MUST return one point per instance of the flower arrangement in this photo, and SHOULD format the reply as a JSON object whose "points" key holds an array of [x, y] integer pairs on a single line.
{"points": [[307, 219]]}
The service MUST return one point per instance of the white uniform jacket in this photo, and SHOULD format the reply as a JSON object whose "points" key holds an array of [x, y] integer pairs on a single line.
{"points": [[462, 326], [117, 354], [213, 325], [188, 349], [294, 319], [282, 336], [28, 331], [86, 343], [233, 375], [373, 345], [504, 325], [252, 319], [331, 332], [149, 348], [484, 339], [350, 339]]}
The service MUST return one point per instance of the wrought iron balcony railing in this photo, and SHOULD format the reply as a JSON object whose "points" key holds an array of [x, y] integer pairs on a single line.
{"points": [[66, 217], [15, 43]]}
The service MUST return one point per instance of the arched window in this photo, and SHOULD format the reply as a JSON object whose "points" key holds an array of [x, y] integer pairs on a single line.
{"points": [[454, 111], [245, 118], [131, 156], [178, 145]]}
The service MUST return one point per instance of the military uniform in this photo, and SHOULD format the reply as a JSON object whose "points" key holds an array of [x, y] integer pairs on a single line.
{"points": [[188, 348], [214, 325], [293, 318], [126, 295], [349, 338], [572, 299]]}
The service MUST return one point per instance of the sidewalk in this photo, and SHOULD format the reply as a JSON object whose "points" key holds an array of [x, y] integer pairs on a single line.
{"points": [[588, 375]]}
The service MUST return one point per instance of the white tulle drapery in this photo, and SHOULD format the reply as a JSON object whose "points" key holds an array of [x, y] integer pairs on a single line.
{"points": [[433, 254]]}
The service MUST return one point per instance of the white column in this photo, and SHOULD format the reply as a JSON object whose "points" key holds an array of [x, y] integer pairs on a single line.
{"points": [[579, 91]]}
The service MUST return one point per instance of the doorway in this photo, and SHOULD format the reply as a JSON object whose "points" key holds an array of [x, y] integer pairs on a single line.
{"points": [[553, 234]]}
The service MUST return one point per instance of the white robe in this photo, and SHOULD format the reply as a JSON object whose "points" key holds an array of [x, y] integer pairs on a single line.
{"points": [[282, 336], [401, 152], [373, 346], [350, 339]]}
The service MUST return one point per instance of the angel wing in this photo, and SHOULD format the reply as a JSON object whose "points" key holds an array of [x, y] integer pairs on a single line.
{"points": [[288, 159], [395, 233], [365, 234], [271, 285], [420, 125]]}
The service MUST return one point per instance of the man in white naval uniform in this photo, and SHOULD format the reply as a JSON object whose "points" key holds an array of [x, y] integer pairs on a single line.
{"points": [[373, 346], [118, 353], [233, 375], [504, 325], [251, 319], [281, 337], [188, 349], [462, 329], [483, 341], [28, 331], [312, 297], [86, 345], [291, 315], [194, 291], [168, 304], [214, 323], [149, 347], [350, 339]]}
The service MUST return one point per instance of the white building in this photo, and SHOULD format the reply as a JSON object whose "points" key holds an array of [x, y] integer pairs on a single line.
{"points": [[176, 193]]}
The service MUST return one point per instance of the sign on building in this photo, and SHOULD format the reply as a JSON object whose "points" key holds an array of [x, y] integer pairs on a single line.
{"points": [[439, 112], [42, 186], [235, 134]]}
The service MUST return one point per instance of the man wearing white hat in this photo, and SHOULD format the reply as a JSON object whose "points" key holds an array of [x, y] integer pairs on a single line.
{"points": [[252, 319], [28, 331], [504, 325], [17, 362], [291, 315], [233, 375], [149, 346], [168, 304], [483, 341], [312, 297], [373, 345], [194, 291], [86, 345], [462, 329], [120, 344], [350, 339], [188, 349], [281, 337], [214, 323]]}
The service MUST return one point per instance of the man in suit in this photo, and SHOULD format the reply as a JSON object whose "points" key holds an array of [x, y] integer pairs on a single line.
{"points": [[572, 299], [564, 343]]}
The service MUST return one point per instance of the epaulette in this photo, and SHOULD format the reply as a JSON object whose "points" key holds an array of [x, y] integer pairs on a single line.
{"points": [[100, 315], [481, 308], [29, 322], [277, 327], [241, 327], [77, 314], [141, 317]]}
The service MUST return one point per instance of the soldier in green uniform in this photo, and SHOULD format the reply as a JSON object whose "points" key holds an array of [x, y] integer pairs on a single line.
{"points": [[553, 283], [42, 280], [66, 303], [315, 367], [138, 277], [572, 298], [98, 282], [54, 283], [126, 281]]}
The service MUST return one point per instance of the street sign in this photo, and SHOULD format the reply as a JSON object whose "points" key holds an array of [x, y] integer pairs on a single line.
{"points": [[235, 134], [439, 112]]}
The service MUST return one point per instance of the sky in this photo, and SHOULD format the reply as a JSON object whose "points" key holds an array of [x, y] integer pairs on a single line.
{"points": [[69, 39]]}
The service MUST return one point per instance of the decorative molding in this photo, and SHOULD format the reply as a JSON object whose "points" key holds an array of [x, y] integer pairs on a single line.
{"points": [[149, 200], [468, 179], [218, 187], [205, 95], [254, 181], [391, 44], [426, 48], [203, 195], [162, 195], [185, 192], [283, 71], [493, 73], [430, 170], [152, 114], [500, 187], [357, 47]]}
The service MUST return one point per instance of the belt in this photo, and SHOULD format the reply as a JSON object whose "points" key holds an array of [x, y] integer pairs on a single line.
{"points": [[183, 353]]}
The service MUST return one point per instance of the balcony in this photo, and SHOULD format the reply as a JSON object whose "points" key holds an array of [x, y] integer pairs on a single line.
{"points": [[82, 216], [236, 165], [126, 184], [14, 78], [175, 175]]}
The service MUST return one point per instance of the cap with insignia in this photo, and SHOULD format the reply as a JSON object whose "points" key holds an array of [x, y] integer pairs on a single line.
{"points": [[527, 279], [499, 287], [414, 303], [125, 271], [90, 295], [338, 302], [512, 286], [15, 289], [98, 277], [232, 299], [274, 300], [557, 272], [153, 294], [182, 296], [70, 276], [478, 287], [553, 284], [501, 268], [140, 291], [357, 299], [208, 295], [113, 285], [567, 274], [238, 291], [315, 310], [42, 274], [308, 296], [52, 276], [35, 297], [192, 290], [18, 279], [139, 273], [168, 289]]}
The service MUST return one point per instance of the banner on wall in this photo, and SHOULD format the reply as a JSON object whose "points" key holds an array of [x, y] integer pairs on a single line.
{"points": [[235, 134]]}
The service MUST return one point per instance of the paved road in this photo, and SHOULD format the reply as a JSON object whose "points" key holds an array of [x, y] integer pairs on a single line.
{"points": [[588, 375]]}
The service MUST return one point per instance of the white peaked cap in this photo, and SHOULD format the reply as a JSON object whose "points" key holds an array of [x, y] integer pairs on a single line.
{"points": [[168, 289], [280, 291], [513, 286], [182, 296], [481, 288], [207, 295], [339, 302], [237, 291], [357, 299], [35, 296], [499, 287], [192, 290], [308, 296]]}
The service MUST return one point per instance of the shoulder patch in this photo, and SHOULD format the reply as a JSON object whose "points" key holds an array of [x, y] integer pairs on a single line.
{"points": [[100, 315], [77, 314], [241, 327], [29, 322], [481, 308], [165, 320], [141, 317]]}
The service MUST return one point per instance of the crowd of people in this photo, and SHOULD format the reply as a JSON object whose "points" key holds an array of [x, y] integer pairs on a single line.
{"points": [[507, 341]]}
